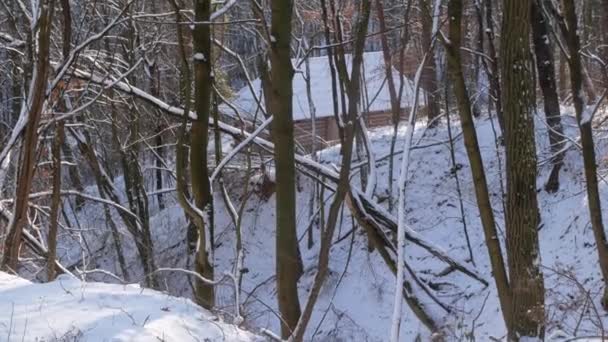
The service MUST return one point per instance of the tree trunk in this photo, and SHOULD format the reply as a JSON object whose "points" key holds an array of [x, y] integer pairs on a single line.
{"points": [[522, 215], [494, 77], [282, 133], [584, 124], [548, 85], [429, 73], [563, 76], [35, 103], [73, 174], [129, 151], [55, 203], [158, 139], [475, 160], [199, 137], [348, 133], [313, 149], [604, 30], [159, 164], [56, 155]]}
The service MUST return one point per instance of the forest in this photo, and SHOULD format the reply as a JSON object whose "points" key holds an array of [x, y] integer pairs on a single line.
{"points": [[303, 170]]}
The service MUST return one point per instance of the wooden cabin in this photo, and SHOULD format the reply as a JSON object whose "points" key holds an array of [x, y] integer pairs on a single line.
{"points": [[375, 101]]}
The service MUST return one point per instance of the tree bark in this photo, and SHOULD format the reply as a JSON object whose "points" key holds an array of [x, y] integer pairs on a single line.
{"points": [[35, 103], [494, 77], [563, 76], [158, 139], [477, 169], [199, 137], [522, 215], [429, 73], [548, 85], [604, 30], [56, 155], [159, 164], [282, 133]]}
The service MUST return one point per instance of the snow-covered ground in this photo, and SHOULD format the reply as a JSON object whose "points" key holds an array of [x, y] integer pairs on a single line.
{"points": [[357, 299], [70, 310]]}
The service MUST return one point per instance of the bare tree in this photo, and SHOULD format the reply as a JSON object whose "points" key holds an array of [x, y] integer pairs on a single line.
{"points": [[452, 45], [280, 105], [56, 153], [546, 79], [429, 74], [526, 309], [347, 126], [31, 112]]}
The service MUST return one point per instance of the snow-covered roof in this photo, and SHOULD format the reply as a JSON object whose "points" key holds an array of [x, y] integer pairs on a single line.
{"points": [[375, 90]]}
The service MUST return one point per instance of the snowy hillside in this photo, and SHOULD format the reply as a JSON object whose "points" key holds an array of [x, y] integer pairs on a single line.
{"points": [[154, 182], [71, 310], [356, 302]]}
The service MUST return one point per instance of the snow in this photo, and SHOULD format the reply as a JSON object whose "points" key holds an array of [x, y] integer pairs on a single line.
{"points": [[70, 310], [375, 87], [199, 56], [587, 115], [357, 300]]}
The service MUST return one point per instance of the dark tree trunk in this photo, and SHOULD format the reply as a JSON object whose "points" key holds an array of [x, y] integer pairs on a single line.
{"points": [[199, 137], [604, 30], [56, 155], [494, 77], [159, 164], [429, 73], [281, 75], [158, 139], [548, 86], [563, 76], [27, 164], [474, 155], [522, 215]]}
